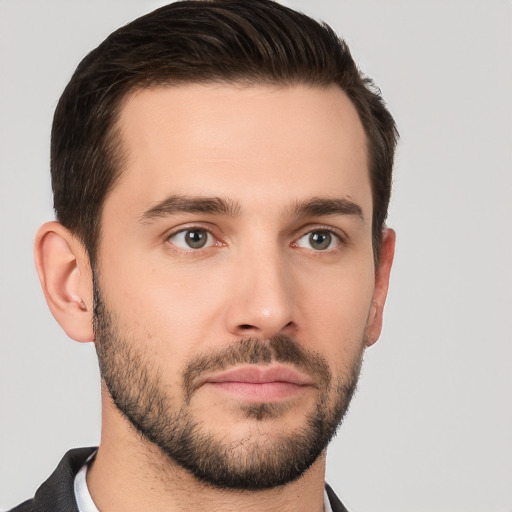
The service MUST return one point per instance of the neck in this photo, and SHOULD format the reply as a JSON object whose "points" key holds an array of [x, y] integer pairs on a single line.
{"points": [[132, 474]]}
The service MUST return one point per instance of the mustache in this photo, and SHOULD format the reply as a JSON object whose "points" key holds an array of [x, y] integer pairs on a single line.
{"points": [[278, 349]]}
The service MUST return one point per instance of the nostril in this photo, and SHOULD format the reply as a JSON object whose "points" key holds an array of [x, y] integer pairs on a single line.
{"points": [[246, 327]]}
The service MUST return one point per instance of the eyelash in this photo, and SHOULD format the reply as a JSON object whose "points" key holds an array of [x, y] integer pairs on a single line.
{"points": [[335, 237], [187, 229], [339, 237]]}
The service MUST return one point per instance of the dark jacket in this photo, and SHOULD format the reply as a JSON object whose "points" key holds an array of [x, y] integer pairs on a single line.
{"points": [[57, 493]]}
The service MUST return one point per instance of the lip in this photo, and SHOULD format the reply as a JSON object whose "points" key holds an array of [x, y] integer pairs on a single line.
{"points": [[257, 384], [261, 375]]}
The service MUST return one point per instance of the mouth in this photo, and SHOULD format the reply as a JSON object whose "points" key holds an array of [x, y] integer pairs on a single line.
{"points": [[259, 384]]}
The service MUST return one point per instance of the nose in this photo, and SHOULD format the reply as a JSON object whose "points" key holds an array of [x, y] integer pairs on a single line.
{"points": [[262, 301]]}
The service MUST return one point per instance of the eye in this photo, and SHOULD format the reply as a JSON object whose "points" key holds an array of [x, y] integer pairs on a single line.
{"points": [[193, 238], [319, 240]]}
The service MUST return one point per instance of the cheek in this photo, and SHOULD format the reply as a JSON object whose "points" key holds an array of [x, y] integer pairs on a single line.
{"points": [[337, 313], [171, 309]]}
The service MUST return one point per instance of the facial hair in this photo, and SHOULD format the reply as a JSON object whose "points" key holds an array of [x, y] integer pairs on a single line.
{"points": [[259, 461]]}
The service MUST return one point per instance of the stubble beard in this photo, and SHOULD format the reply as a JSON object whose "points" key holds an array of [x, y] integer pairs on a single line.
{"points": [[260, 460]]}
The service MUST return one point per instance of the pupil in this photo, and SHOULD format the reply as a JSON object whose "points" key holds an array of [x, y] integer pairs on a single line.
{"points": [[196, 239], [320, 240]]}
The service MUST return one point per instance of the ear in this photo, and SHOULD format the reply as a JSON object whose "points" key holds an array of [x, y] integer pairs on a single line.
{"points": [[386, 254], [64, 270]]}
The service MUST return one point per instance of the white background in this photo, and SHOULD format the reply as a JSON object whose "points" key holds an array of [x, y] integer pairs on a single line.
{"points": [[431, 426]]}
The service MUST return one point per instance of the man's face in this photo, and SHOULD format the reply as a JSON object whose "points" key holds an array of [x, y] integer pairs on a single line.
{"points": [[235, 275]]}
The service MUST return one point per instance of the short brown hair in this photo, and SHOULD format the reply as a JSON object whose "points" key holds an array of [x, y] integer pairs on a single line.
{"points": [[229, 41]]}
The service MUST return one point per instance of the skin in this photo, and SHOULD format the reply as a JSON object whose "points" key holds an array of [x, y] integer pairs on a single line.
{"points": [[265, 149]]}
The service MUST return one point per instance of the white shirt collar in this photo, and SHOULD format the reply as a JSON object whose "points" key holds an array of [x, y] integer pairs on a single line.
{"points": [[327, 503], [82, 495]]}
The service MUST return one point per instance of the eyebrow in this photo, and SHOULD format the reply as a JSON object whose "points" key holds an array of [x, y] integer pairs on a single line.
{"points": [[177, 204], [315, 207], [319, 206]]}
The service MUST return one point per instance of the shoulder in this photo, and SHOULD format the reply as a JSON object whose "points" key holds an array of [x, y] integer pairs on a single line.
{"points": [[56, 494], [336, 504]]}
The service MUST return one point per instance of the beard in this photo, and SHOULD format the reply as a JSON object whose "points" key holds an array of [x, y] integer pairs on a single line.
{"points": [[259, 460]]}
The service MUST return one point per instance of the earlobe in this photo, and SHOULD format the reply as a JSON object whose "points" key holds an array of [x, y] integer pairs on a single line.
{"points": [[387, 251], [64, 271]]}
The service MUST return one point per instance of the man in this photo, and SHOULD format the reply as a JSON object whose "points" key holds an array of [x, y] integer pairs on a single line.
{"points": [[221, 175]]}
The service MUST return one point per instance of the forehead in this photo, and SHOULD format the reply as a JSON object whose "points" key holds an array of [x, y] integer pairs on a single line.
{"points": [[254, 144]]}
